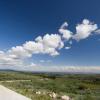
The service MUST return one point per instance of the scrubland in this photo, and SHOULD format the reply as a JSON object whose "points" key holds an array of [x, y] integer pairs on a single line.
{"points": [[40, 86]]}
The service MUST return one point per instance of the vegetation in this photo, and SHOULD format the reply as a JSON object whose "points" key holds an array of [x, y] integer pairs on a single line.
{"points": [[77, 86]]}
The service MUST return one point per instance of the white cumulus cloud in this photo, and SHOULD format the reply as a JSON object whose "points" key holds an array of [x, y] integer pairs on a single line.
{"points": [[66, 34], [84, 30], [50, 44]]}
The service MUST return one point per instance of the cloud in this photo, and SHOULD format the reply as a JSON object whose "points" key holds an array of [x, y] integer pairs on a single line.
{"points": [[66, 34], [42, 61], [16, 56], [84, 30], [50, 44], [67, 48], [97, 31], [67, 69], [18, 52], [33, 64], [47, 61], [80, 69], [7, 60]]}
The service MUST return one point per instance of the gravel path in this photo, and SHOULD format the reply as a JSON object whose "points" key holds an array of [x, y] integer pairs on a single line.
{"points": [[7, 94]]}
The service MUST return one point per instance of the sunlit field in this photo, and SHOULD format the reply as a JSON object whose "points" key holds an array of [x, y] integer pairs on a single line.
{"points": [[42, 86]]}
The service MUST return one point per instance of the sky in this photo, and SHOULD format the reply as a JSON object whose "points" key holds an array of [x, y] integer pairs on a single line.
{"points": [[50, 35]]}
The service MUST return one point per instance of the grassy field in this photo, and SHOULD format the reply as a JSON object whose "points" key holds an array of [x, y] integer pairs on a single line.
{"points": [[76, 86]]}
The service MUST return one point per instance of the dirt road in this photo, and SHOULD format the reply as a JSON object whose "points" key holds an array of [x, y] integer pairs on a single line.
{"points": [[7, 94]]}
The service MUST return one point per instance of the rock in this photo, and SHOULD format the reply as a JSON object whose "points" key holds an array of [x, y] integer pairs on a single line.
{"points": [[64, 97], [53, 95], [38, 92]]}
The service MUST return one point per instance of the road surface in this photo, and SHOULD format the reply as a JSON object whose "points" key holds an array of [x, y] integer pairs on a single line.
{"points": [[7, 94]]}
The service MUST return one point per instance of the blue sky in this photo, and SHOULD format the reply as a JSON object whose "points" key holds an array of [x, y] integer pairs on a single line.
{"points": [[25, 20]]}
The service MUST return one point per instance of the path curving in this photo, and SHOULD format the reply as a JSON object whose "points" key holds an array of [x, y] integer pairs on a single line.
{"points": [[7, 94]]}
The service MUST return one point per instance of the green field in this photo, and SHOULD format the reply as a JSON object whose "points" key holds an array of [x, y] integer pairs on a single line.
{"points": [[77, 86]]}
